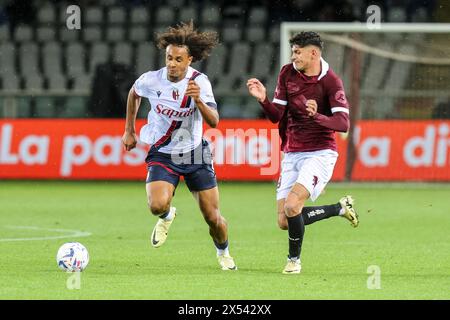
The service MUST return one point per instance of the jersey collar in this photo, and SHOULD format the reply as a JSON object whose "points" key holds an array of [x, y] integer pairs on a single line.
{"points": [[324, 67]]}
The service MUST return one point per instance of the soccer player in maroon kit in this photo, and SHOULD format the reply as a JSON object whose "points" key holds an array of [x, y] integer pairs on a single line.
{"points": [[309, 106]]}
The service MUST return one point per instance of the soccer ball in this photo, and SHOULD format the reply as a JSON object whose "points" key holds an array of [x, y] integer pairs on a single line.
{"points": [[72, 257]]}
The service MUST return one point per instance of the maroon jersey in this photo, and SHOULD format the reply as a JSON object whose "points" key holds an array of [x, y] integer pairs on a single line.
{"points": [[298, 131]]}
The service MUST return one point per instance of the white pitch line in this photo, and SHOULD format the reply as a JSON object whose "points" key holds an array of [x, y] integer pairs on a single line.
{"points": [[69, 234]]}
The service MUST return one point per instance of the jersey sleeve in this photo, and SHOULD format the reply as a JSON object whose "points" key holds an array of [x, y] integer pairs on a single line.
{"points": [[336, 96], [139, 85], [206, 92], [280, 96]]}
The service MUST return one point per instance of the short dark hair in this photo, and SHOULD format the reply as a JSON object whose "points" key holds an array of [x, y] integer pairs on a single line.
{"points": [[306, 38], [199, 44]]}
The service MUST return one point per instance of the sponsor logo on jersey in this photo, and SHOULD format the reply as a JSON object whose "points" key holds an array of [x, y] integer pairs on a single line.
{"points": [[340, 96], [169, 112]]}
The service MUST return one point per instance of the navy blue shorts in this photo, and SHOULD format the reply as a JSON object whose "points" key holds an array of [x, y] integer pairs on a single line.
{"points": [[196, 168]]}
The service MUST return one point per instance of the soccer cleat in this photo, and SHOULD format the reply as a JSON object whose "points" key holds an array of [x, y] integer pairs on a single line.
{"points": [[293, 266], [226, 262], [349, 210], [161, 229]]}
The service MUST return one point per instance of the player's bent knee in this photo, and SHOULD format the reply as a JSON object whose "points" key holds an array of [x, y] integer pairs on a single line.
{"points": [[158, 207], [292, 209], [282, 223]]}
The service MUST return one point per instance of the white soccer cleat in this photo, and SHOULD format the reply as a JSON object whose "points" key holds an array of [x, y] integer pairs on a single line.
{"points": [[226, 262], [293, 266], [350, 214], [161, 229]]}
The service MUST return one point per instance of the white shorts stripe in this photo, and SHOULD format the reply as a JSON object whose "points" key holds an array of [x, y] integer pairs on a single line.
{"points": [[339, 109], [278, 101]]}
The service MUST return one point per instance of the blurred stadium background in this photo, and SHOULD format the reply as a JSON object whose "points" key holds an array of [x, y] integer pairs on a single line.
{"points": [[54, 81], [48, 70]]}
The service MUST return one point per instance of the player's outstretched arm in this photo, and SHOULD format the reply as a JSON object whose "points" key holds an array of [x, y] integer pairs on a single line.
{"points": [[129, 138], [272, 110]]}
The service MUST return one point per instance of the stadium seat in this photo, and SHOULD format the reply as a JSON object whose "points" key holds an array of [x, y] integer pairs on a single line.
{"points": [[68, 35], [215, 64], [233, 16], [92, 34], [57, 82], [231, 34], [175, 3], [82, 82], [210, 16], [75, 54], [138, 34], [262, 60], [396, 14], [46, 15], [29, 59], [122, 53], [94, 16], [139, 15], [116, 16], [145, 58], [255, 34], [419, 15], [45, 34], [257, 16], [115, 34], [225, 84], [157, 30], [33, 81], [230, 107], [187, 14], [160, 59], [251, 108], [4, 33], [10, 81], [23, 33], [99, 53], [51, 58], [7, 57], [240, 54], [271, 83], [274, 34], [164, 16]]}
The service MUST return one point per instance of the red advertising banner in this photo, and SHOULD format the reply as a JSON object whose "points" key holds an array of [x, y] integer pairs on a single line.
{"points": [[243, 150]]}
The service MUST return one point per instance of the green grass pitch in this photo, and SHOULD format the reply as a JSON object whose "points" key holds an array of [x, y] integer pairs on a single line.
{"points": [[404, 231]]}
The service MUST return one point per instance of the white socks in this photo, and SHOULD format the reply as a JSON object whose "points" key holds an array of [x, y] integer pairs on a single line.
{"points": [[223, 252], [169, 216]]}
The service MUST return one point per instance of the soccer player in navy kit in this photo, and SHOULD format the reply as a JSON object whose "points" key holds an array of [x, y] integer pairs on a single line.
{"points": [[181, 98], [310, 105]]}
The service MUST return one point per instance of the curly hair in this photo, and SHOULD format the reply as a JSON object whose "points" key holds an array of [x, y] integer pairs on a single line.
{"points": [[199, 44], [306, 38]]}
